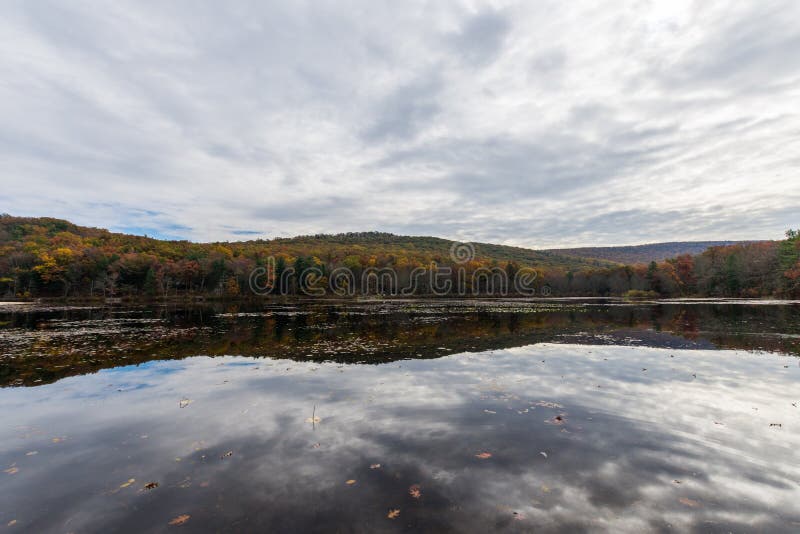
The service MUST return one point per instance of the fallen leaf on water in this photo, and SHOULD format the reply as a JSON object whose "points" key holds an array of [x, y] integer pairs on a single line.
{"points": [[57, 440], [489, 411], [543, 454], [314, 420], [375, 466], [689, 502], [393, 513], [184, 403], [12, 522], [557, 420], [12, 470], [128, 483], [32, 453], [151, 485], [180, 520], [415, 491], [483, 455], [350, 482]]}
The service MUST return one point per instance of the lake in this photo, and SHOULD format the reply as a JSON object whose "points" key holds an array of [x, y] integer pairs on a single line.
{"points": [[416, 415]]}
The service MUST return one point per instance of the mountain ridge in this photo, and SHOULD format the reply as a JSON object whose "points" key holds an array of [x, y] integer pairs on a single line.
{"points": [[569, 258], [644, 253]]}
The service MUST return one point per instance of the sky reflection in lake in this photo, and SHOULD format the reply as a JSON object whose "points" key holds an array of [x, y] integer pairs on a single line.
{"points": [[581, 437]]}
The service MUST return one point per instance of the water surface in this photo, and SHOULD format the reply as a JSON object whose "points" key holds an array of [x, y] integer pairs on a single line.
{"points": [[436, 416]]}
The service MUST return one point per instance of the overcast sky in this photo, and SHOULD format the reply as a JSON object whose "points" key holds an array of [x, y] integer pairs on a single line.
{"points": [[532, 123]]}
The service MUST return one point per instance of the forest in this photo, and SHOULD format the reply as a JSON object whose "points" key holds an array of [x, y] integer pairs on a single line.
{"points": [[644, 253], [46, 257]]}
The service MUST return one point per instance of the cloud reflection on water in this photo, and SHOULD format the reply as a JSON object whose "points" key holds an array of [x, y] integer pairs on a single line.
{"points": [[628, 435]]}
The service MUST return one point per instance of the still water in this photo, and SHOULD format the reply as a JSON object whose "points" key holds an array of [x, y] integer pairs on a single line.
{"points": [[424, 416]]}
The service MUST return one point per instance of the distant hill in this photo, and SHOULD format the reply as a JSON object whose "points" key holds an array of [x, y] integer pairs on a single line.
{"points": [[45, 257], [49, 232], [642, 253], [53, 257], [430, 247]]}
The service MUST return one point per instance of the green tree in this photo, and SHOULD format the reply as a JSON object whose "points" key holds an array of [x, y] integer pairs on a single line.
{"points": [[733, 277]]}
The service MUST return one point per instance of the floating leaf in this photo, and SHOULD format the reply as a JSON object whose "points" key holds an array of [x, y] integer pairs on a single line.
{"points": [[314, 420], [350, 482], [32, 453], [128, 483], [12, 470], [483, 455], [185, 402], [489, 411], [12, 523], [151, 485], [415, 491], [180, 520], [393, 513], [375, 466], [689, 502], [557, 420], [543, 454]]}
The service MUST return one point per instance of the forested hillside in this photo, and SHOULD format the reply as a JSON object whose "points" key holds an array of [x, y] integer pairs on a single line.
{"points": [[760, 269], [53, 257], [43, 257], [643, 253]]}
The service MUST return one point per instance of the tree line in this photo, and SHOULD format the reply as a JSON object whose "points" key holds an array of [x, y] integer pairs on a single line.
{"points": [[44, 257]]}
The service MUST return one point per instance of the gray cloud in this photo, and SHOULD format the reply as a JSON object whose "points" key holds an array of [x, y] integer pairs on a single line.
{"points": [[754, 47], [405, 111], [528, 124], [481, 36]]}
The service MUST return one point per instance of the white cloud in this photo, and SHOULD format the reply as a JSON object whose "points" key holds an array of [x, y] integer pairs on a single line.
{"points": [[532, 124]]}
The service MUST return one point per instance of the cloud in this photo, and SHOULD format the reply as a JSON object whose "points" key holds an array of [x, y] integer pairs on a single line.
{"points": [[480, 38], [405, 111], [530, 124]]}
